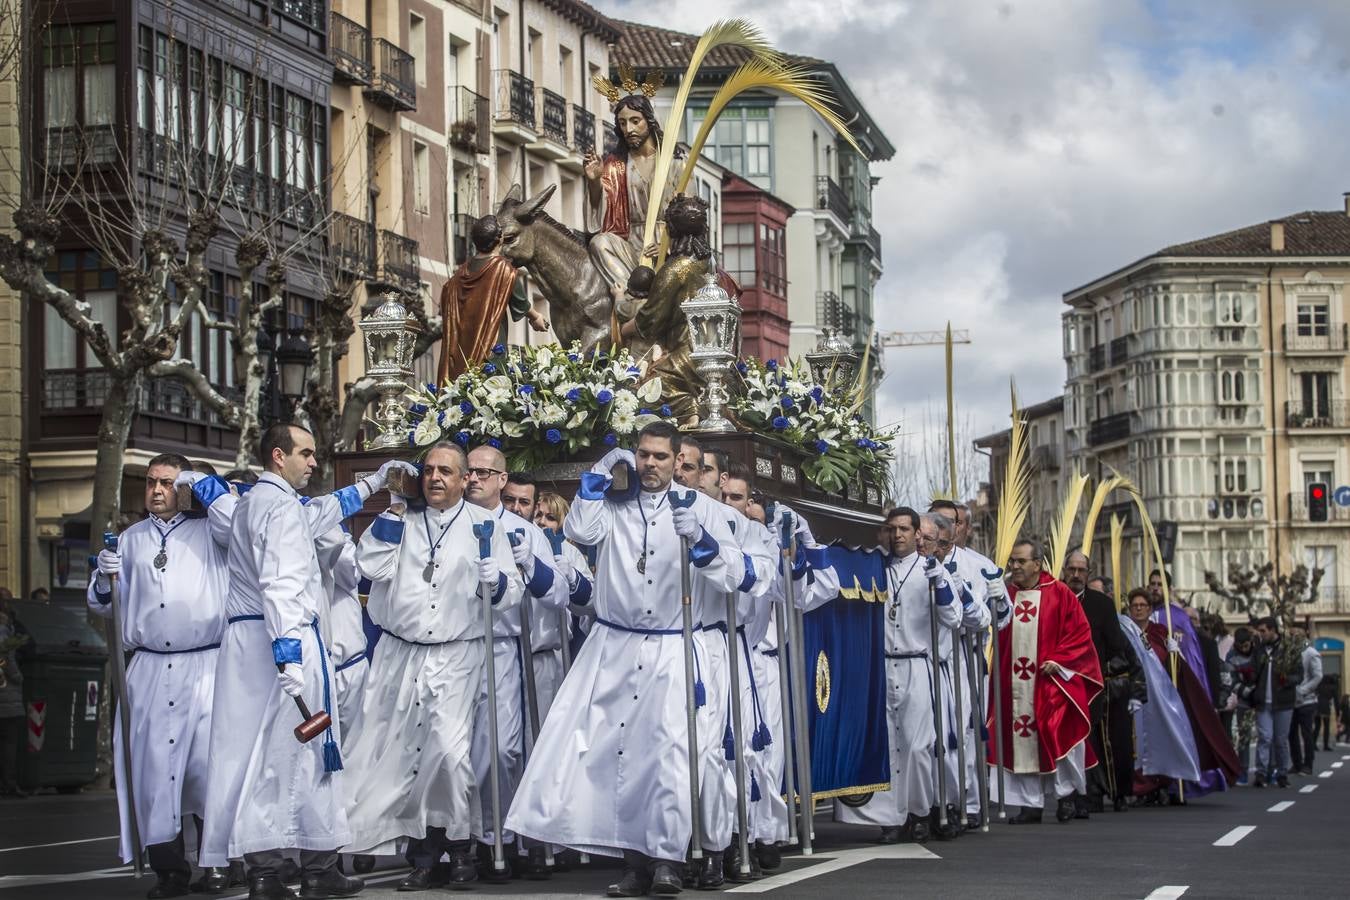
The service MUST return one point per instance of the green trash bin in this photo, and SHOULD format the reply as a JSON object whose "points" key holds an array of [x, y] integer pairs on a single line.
{"points": [[63, 667]]}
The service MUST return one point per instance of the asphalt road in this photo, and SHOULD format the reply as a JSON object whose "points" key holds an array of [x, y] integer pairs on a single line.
{"points": [[1243, 843]]}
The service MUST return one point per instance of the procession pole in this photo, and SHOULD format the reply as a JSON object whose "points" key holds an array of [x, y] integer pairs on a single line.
{"points": [[737, 734], [525, 643], [781, 625], [555, 540], [994, 675], [483, 532], [958, 642], [951, 423], [939, 745], [978, 696], [118, 660], [797, 646], [690, 670]]}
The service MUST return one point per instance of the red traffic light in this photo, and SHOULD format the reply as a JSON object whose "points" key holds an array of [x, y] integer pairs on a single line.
{"points": [[1318, 492]]}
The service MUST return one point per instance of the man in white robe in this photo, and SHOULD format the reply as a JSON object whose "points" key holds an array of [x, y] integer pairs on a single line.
{"points": [[172, 573], [521, 496], [546, 594], [267, 792], [410, 760], [908, 805], [611, 774]]}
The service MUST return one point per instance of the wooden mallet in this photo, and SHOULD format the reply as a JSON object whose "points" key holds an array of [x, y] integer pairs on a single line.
{"points": [[314, 725]]}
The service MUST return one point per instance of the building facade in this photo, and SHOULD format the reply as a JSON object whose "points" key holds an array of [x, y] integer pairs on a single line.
{"points": [[1213, 373], [1045, 457], [11, 318]]}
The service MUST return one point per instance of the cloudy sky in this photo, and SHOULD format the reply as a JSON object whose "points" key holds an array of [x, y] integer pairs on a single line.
{"points": [[1042, 143]]}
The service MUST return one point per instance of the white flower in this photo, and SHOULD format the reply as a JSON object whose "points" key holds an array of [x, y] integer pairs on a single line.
{"points": [[498, 384], [427, 432], [623, 422], [543, 358], [550, 414], [644, 420], [763, 407], [625, 401], [650, 391], [513, 429], [452, 416], [577, 419]]}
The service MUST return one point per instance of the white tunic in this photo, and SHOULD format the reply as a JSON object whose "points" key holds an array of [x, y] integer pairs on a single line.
{"points": [[909, 697], [611, 771], [173, 618], [346, 634], [975, 620], [266, 789], [410, 760]]}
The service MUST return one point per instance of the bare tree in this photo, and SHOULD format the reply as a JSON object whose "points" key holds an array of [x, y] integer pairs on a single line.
{"points": [[921, 470]]}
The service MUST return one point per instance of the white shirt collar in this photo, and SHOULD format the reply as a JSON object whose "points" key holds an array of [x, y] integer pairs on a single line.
{"points": [[273, 478]]}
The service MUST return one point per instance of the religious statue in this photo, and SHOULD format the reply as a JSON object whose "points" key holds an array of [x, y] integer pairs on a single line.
{"points": [[474, 300], [619, 186]]}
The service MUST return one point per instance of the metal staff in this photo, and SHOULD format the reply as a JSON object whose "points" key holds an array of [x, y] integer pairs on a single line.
{"points": [[797, 646], [483, 532], [526, 640], [977, 701], [939, 743], [995, 688], [555, 540], [958, 641], [678, 501], [785, 685], [737, 734], [118, 662]]}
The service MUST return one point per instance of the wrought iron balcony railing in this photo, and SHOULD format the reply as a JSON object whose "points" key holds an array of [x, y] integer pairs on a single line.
{"points": [[397, 267], [515, 98], [1109, 428], [1306, 339], [554, 119], [394, 85], [1317, 413], [473, 121], [583, 130], [830, 196], [349, 49], [352, 245]]}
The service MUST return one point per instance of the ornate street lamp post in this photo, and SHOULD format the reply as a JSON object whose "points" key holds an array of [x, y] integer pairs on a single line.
{"points": [[714, 319], [390, 339]]}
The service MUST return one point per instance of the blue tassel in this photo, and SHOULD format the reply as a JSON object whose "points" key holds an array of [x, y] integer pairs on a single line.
{"points": [[754, 789], [762, 738], [700, 695], [729, 743], [332, 757], [951, 741]]}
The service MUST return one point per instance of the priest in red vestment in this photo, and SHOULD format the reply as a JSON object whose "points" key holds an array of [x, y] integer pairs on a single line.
{"points": [[1048, 675]]}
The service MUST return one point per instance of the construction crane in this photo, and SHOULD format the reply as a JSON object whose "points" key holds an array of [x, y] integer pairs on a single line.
{"points": [[921, 338]]}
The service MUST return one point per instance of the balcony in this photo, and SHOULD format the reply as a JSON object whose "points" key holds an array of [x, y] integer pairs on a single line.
{"points": [[396, 266], [874, 244], [1109, 429], [1097, 358], [460, 223], [1120, 351], [349, 49], [351, 243], [832, 198], [1045, 457], [513, 107], [395, 84], [583, 130], [1331, 600], [554, 119], [1332, 340], [1298, 509], [834, 315], [1323, 414], [473, 120]]}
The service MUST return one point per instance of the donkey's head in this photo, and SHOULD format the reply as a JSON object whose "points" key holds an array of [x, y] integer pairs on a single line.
{"points": [[528, 232]]}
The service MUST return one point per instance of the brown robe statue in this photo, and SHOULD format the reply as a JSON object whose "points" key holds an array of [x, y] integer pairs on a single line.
{"points": [[473, 302]]}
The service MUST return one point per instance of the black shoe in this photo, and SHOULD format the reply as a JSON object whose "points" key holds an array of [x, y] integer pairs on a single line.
{"points": [[213, 881], [1081, 809], [536, 865], [1095, 803], [238, 876], [363, 864], [461, 872], [946, 832], [330, 883], [1064, 810], [487, 867], [289, 872], [418, 879], [731, 864], [666, 881], [974, 822], [771, 858], [711, 877], [170, 884], [1027, 816], [918, 829], [633, 884], [1259, 781], [1282, 781], [1120, 804], [890, 834], [268, 887]]}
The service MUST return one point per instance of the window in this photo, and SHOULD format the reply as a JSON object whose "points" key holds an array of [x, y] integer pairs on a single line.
{"points": [[1233, 309], [738, 249], [1324, 558], [421, 177], [417, 46], [1232, 387], [773, 260], [79, 92], [1318, 471], [741, 140], [85, 275], [1314, 318], [1315, 394]]}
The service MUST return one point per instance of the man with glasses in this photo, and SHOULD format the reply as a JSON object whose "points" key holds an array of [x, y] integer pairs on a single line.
{"points": [[1048, 676], [913, 574]]}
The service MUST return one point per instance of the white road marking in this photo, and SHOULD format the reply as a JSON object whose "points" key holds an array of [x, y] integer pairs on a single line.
{"points": [[1307, 789], [111, 837], [1337, 765], [1234, 836], [1281, 806], [1168, 892], [1327, 774], [833, 863], [12, 881]]}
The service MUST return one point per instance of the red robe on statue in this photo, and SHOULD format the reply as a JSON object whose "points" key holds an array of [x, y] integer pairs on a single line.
{"points": [[1044, 716]]}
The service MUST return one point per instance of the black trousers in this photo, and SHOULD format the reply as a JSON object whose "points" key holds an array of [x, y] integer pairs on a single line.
{"points": [[269, 862], [1322, 730], [424, 853], [12, 731], [171, 856], [1302, 749], [1113, 741]]}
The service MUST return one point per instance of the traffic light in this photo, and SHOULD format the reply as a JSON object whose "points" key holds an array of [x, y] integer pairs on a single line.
{"points": [[1317, 501]]}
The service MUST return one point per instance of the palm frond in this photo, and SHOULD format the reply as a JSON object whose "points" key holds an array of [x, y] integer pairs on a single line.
{"points": [[1117, 545], [728, 32], [1104, 490], [1061, 530], [1016, 499]]}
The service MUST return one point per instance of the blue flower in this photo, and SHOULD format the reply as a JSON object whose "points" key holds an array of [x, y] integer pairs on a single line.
{"points": [[498, 349], [440, 419], [553, 436], [817, 393], [489, 369], [572, 357], [495, 443], [787, 402], [644, 411], [665, 409], [611, 439], [462, 437], [526, 389], [634, 370], [466, 407], [780, 422], [411, 441], [605, 395], [864, 443], [742, 368], [821, 446], [431, 388], [772, 365], [574, 395], [419, 409]]}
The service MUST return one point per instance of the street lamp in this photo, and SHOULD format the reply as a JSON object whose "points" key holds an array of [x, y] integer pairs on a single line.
{"points": [[714, 319], [390, 341], [293, 360]]}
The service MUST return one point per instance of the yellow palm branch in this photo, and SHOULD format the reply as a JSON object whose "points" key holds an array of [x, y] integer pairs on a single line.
{"points": [[1061, 530], [728, 32], [1016, 500], [1117, 545], [1104, 490], [758, 74]]}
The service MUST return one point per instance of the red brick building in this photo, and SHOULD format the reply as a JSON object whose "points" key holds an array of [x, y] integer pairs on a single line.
{"points": [[754, 250]]}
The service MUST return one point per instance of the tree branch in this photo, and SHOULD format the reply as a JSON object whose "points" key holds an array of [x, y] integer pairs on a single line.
{"points": [[187, 372], [360, 393]]}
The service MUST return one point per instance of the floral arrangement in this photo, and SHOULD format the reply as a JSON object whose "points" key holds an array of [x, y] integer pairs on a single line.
{"points": [[785, 400], [539, 403]]}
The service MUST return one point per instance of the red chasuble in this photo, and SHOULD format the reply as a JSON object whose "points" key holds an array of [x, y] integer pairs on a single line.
{"points": [[1044, 716]]}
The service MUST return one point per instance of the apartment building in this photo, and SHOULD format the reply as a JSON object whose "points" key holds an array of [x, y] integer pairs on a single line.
{"points": [[11, 324], [1213, 372]]}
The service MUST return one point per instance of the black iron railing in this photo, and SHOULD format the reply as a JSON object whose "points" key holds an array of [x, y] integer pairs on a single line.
{"points": [[352, 245], [830, 196], [397, 265], [583, 130], [553, 122], [473, 120], [460, 223], [395, 81], [1317, 412], [1109, 428], [1120, 351], [1316, 339], [1097, 358], [349, 49], [515, 98]]}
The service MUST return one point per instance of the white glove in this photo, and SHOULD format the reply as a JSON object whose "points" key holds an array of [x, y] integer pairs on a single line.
{"points": [[520, 550], [934, 572], [188, 477], [686, 522], [1134, 706], [488, 570], [292, 678], [564, 567], [109, 562], [1173, 646], [997, 588], [612, 458], [381, 478]]}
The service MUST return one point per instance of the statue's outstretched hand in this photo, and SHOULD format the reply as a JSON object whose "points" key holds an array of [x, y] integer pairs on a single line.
{"points": [[538, 321], [590, 166]]}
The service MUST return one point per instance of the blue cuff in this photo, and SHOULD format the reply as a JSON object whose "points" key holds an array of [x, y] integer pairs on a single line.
{"points": [[817, 557], [593, 485], [242, 487], [286, 650], [350, 498], [749, 580], [799, 563], [581, 594], [364, 585], [389, 530], [967, 598], [500, 589], [210, 489], [541, 582], [102, 598], [703, 550], [945, 595]]}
